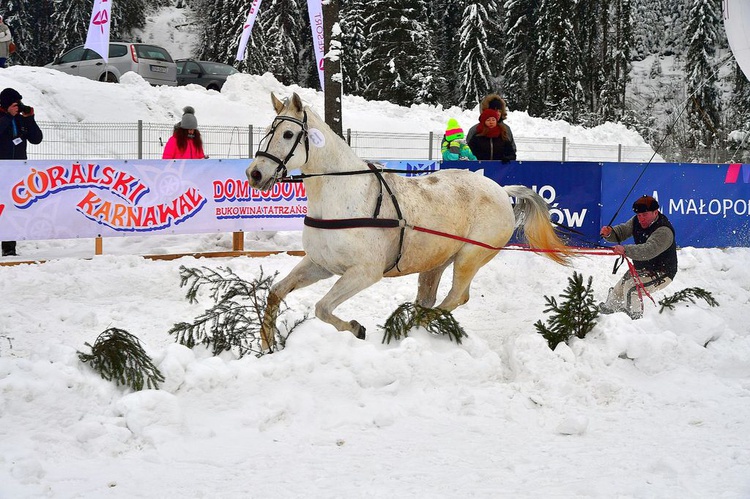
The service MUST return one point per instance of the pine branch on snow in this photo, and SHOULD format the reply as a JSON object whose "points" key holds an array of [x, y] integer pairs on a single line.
{"points": [[118, 356], [687, 295], [575, 316], [435, 320], [234, 321]]}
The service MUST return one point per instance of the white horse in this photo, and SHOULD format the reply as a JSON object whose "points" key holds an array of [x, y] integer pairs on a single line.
{"points": [[364, 225]]}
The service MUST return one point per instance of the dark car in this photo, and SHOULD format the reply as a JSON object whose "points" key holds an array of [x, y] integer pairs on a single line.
{"points": [[211, 75]]}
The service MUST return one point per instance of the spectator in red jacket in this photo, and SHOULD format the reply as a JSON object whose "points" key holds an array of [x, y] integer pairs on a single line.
{"points": [[185, 142]]}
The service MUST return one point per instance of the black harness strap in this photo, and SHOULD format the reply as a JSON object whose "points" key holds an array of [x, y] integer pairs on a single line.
{"points": [[398, 213], [353, 223]]}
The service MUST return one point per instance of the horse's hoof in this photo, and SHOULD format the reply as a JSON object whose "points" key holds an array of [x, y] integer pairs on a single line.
{"points": [[360, 334]]}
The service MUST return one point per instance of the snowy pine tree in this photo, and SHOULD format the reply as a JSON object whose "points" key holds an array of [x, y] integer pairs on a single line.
{"points": [[703, 95], [519, 64], [399, 65], [354, 42], [282, 27], [75, 16], [474, 70], [558, 68]]}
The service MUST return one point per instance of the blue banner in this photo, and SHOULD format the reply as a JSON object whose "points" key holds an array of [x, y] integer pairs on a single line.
{"points": [[571, 189], [706, 203]]}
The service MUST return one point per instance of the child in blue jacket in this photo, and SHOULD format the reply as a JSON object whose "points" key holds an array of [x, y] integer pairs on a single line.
{"points": [[454, 147]]}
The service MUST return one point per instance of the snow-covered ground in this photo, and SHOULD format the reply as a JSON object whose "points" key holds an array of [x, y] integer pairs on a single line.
{"points": [[638, 409], [651, 408]]}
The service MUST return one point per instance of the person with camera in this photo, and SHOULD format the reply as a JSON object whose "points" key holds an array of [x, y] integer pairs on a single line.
{"points": [[17, 127]]}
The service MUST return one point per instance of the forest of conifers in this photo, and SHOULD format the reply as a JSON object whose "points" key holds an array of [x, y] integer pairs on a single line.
{"points": [[558, 59]]}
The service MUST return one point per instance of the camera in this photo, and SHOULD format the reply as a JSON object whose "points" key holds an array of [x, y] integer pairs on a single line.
{"points": [[23, 108]]}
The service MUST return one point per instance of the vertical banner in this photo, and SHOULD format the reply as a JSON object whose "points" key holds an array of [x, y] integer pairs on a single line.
{"points": [[247, 28], [97, 39], [315, 11]]}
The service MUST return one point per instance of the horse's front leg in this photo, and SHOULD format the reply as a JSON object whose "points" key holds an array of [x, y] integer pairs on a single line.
{"points": [[351, 282], [303, 274]]}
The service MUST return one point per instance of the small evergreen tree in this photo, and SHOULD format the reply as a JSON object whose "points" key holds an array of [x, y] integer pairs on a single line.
{"points": [[575, 316]]}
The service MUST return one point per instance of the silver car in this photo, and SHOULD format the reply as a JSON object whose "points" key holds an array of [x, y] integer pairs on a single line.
{"points": [[153, 63]]}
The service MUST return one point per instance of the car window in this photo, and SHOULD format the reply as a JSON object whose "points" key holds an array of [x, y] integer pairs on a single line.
{"points": [[152, 52], [216, 68], [90, 55], [72, 56], [191, 67], [117, 50], [180, 67]]}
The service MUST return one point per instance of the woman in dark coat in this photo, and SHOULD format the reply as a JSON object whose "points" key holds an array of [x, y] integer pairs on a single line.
{"points": [[493, 139]]}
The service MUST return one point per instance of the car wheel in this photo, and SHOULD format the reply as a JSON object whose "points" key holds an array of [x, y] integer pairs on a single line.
{"points": [[213, 87], [108, 77]]}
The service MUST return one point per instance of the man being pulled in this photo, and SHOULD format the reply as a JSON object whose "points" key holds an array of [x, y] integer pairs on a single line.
{"points": [[654, 256]]}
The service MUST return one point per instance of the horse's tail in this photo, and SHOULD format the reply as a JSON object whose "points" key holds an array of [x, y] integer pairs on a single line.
{"points": [[533, 213]]}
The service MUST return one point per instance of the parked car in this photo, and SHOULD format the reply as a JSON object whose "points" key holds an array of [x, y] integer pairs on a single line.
{"points": [[211, 75], [153, 63]]}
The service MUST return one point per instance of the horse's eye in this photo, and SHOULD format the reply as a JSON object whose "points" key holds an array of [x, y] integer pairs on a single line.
{"points": [[288, 134]]}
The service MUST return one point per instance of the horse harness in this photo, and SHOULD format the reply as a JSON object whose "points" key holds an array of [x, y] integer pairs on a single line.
{"points": [[374, 221], [281, 173]]}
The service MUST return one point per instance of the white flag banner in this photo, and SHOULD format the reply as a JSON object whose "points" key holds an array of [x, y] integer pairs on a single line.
{"points": [[97, 38], [315, 10], [247, 28]]}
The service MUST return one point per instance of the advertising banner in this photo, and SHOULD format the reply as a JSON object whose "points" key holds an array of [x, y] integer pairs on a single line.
{"points": [[59, 200], [709, 205], [706, 203], [572, 190]]}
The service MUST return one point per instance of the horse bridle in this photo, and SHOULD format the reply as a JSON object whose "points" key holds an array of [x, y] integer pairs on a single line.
{"points": [[281, 169]]}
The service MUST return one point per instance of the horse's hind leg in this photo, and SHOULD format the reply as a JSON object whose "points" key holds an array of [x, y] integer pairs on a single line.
{"points": [[428, 286], [303, 274], [465, 267], [351, 282]]}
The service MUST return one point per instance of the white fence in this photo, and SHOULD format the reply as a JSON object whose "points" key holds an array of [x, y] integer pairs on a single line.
{"points": [[142, 140]]}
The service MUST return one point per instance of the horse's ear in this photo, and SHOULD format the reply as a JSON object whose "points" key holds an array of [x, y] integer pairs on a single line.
{"points": [[277, 104], [297, 102]]}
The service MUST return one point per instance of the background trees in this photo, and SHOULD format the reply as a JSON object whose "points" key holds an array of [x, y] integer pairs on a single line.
{"points": [[568, 59]]}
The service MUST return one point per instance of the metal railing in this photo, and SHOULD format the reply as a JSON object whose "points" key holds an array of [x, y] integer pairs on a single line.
{"points": [[143, 140]]}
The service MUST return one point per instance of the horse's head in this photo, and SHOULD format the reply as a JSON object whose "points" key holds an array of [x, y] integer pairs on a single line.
{"points": [[285, 146]]}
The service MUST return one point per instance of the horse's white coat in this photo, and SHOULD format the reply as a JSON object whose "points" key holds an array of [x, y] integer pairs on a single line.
{"points": [[456, 202]]}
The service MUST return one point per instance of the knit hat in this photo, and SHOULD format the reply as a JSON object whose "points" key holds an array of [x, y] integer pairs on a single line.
{"points": [[453, 131], [488, 113], [644, 204], [8, 97], [188, 122]]}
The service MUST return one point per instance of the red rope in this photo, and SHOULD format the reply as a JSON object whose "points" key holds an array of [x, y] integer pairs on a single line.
{"points": [[579, 250]]}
